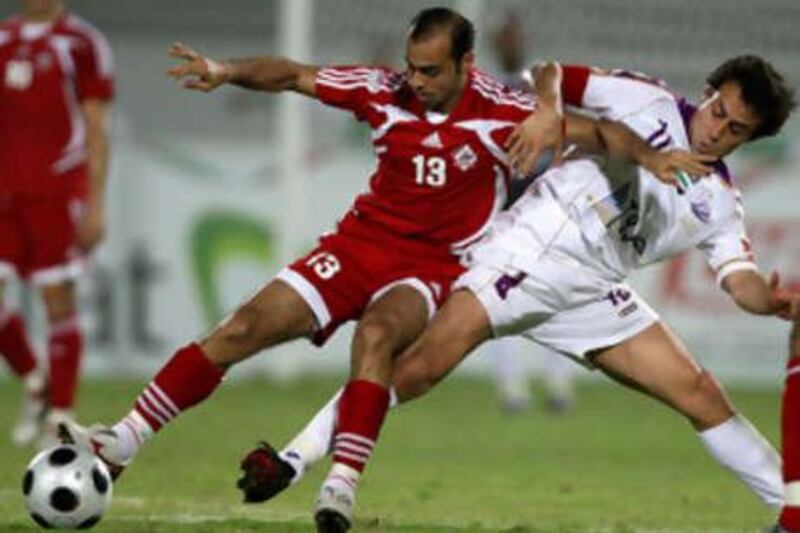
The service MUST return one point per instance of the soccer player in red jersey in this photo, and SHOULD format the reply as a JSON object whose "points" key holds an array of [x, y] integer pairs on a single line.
{"points": [[438, 131], [789, 520], [55, 87]]}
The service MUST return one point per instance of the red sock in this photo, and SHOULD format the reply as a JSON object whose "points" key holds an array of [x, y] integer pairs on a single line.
{"points": [[64, 349], [186, 380], [15, 346], [362, 408], [790, 422]]}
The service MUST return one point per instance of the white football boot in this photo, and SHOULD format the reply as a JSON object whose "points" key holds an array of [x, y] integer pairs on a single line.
{"points": [[54, 417], [32, 411], [98, 439], [333, 512]]}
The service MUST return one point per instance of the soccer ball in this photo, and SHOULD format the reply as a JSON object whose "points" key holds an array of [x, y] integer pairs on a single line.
{"points": [[66, 487]]}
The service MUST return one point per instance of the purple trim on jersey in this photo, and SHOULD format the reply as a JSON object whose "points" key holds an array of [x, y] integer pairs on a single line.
{"points": [[722, 170], [687, 112], [639, 76]]}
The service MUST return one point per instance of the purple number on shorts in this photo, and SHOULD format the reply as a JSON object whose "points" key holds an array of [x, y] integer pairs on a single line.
{"points": [[618, 296], [506, 283]]}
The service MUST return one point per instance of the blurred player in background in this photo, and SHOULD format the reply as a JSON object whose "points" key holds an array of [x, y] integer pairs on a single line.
{"points": [[437, 131], [509, 356], [552, 268], [56, 83], [789, 520]]}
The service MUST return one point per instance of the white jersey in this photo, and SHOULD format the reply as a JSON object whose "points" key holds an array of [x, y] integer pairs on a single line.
{"points": [[626, 216]]}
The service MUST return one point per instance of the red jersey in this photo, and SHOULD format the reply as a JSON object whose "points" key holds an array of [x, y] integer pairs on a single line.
{"points": [[46, 72], [440, 179]]}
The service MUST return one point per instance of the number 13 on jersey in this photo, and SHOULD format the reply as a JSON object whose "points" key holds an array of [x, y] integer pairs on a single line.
{"points": [[431, 171]]}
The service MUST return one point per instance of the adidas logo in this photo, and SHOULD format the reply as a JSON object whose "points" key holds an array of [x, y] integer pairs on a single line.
{"points": [[433, 141]]}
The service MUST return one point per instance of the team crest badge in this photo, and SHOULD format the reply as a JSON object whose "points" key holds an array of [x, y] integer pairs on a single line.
{"points": [[19, 74], [465, 158], [701, 207]]}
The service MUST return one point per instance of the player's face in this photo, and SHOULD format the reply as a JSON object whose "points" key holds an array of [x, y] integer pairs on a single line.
{"points": [[433, 74], [723, 121]]}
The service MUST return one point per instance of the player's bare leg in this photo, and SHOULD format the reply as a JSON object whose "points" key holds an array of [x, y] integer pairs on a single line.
{"points": [[458, 328], [15, 348], [388, 326], [268, 472], [274, 315], [64, 351], [454, 332], [790, 431], [656, 363]]}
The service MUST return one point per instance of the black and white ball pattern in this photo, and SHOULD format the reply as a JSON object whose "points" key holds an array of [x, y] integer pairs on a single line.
{"points": [[66, 487]]}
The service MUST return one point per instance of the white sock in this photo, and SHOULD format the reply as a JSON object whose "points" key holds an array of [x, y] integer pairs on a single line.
{"points": [[57, 416], [132, 431], [315, 441], [344, 473], [739, 447], [34, 382]]}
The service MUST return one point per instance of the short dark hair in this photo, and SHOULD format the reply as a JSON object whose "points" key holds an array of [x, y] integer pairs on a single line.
{"points": [[430, 21], [764, 90]]}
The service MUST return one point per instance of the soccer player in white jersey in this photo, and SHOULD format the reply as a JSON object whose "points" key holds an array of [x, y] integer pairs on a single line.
{"points": [[553, 267]]}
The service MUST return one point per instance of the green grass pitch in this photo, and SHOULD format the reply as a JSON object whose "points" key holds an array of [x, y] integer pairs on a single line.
{"points": [[448, 462]]}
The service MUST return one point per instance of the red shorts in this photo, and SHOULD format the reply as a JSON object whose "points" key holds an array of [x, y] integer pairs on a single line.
{"points": [[37, 237], [351, 268]]}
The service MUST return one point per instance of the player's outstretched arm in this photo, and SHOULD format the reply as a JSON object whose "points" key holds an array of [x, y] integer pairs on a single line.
{"points": [[266, 73], [761, 296], [620, 142]]}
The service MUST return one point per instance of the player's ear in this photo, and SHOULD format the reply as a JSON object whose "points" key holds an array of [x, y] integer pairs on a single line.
{"points": [[708, 92], [467, 60]]}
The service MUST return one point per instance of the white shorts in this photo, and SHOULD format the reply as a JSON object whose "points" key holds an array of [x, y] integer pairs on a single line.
{"points": [[533, 306]]}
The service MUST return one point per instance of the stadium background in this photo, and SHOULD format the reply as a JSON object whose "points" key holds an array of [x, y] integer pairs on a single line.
{"points": [[211, 194]]}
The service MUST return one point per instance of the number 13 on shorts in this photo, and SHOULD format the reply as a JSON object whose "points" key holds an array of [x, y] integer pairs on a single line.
{"points": [[325, 264]]}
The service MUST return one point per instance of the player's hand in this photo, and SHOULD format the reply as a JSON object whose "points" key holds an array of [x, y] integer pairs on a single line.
{"points": [[92, 227], [667, 166], [783, 302], [540, 131], [197, 71]]}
